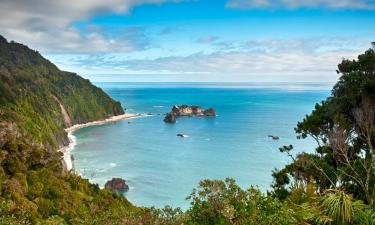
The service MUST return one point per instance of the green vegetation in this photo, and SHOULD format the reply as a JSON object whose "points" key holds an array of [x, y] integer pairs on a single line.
{"points": [[343, 127], [31, 89], [34, 188], [335, 185]]}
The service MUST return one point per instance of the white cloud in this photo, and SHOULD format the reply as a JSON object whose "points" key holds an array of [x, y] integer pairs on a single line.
{"points": [[292, 4], [272, 56], [243, 62], [47, 24]]}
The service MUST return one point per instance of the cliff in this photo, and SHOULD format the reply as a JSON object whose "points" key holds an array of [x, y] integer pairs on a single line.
{"points": [[42, 100], [37, 101]]}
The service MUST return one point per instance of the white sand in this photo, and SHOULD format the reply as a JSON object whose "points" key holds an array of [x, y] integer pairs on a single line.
{"points": [[72, 139]]}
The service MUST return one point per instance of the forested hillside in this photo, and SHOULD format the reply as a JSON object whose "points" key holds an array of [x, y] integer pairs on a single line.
{"points": [[34, 187], [32, 89]]}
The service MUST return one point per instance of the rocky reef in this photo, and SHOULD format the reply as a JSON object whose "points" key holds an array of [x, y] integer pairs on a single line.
{"points": [[117, 185], [186, 110]]}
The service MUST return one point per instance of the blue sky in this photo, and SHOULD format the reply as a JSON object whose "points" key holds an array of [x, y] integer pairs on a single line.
{"points": [[197, 40]]}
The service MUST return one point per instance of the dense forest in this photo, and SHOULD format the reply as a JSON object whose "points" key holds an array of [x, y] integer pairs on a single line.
{"points": [[334, 185], [32, 89]]}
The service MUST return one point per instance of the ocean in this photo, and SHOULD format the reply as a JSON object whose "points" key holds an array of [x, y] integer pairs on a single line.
{"points": [[162, 169]]}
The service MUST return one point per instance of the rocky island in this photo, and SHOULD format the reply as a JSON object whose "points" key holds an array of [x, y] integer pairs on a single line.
{"points": [[186, 110], [117, 185]]}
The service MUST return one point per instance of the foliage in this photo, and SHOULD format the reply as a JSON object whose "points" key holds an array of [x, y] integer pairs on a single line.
{"points": [[343, 128], [335, 185], [224, 202], [339, 207], [34, 187], [32, 89]]}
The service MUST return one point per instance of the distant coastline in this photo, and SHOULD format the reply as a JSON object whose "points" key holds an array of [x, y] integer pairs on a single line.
{"points": [[72, 140], [291, 86]]}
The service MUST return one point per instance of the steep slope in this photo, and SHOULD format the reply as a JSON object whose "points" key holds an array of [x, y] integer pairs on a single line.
{"points": [[37, 101], [42, 100]]}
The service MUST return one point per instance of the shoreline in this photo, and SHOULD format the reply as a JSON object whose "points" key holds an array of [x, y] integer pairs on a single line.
{"points": [[67, 157]]}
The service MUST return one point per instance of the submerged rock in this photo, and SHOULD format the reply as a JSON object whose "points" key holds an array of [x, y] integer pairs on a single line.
{"points": [[186, 110], [117, 185]]}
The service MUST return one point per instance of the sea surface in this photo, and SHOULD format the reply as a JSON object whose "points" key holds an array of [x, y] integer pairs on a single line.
{"points": [[162, 169]]}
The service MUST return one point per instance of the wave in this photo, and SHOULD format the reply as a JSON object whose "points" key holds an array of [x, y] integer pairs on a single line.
{"points": [[104, 169], [68, 158]]}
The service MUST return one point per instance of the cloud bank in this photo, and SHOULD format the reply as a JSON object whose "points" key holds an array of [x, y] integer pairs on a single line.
{"points": [[48, 25], [63, 30], [275, 56]]}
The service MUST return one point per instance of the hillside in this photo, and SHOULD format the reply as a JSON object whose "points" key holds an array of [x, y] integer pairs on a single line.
{"points": [[37, 102], [42, 100]]}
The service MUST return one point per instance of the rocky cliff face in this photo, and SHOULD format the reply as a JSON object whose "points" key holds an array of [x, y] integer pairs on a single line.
{"points": [[185, 110]]}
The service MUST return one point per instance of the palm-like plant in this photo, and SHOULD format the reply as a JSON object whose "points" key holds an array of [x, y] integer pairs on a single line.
{"points": [[338, 206], [340, 209], [363, 214]]}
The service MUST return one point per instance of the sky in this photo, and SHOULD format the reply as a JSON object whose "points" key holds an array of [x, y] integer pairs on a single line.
{"points": [[193, 40]]}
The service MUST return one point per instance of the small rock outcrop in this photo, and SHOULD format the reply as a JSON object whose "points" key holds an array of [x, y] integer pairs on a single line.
{"points": [[117, 185], [186, 110], [209, 112], [170, 118], [275, 138]]}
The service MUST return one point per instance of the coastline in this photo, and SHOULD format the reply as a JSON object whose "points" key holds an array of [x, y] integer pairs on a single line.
{"points": [[72, 139]]}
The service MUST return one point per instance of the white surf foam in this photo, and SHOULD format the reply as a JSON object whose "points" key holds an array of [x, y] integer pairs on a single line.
{"points": [[67, 155], [73, 141]]}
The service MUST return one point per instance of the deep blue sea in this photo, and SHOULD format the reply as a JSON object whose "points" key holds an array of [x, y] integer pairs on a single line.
{"points": [[162, 169]]}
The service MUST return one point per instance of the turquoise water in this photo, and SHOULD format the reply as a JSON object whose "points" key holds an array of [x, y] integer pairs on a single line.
{"points": [[162, 169]]}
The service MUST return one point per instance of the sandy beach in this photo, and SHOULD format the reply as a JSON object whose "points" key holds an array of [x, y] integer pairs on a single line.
{"points": [[72, 140]]}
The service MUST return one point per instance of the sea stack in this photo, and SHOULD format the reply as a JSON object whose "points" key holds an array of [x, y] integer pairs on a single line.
{"points": [[117, 185], [186, 110]]}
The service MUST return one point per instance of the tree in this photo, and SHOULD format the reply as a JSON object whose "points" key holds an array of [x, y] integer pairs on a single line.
{"points": [[343, 128]]}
